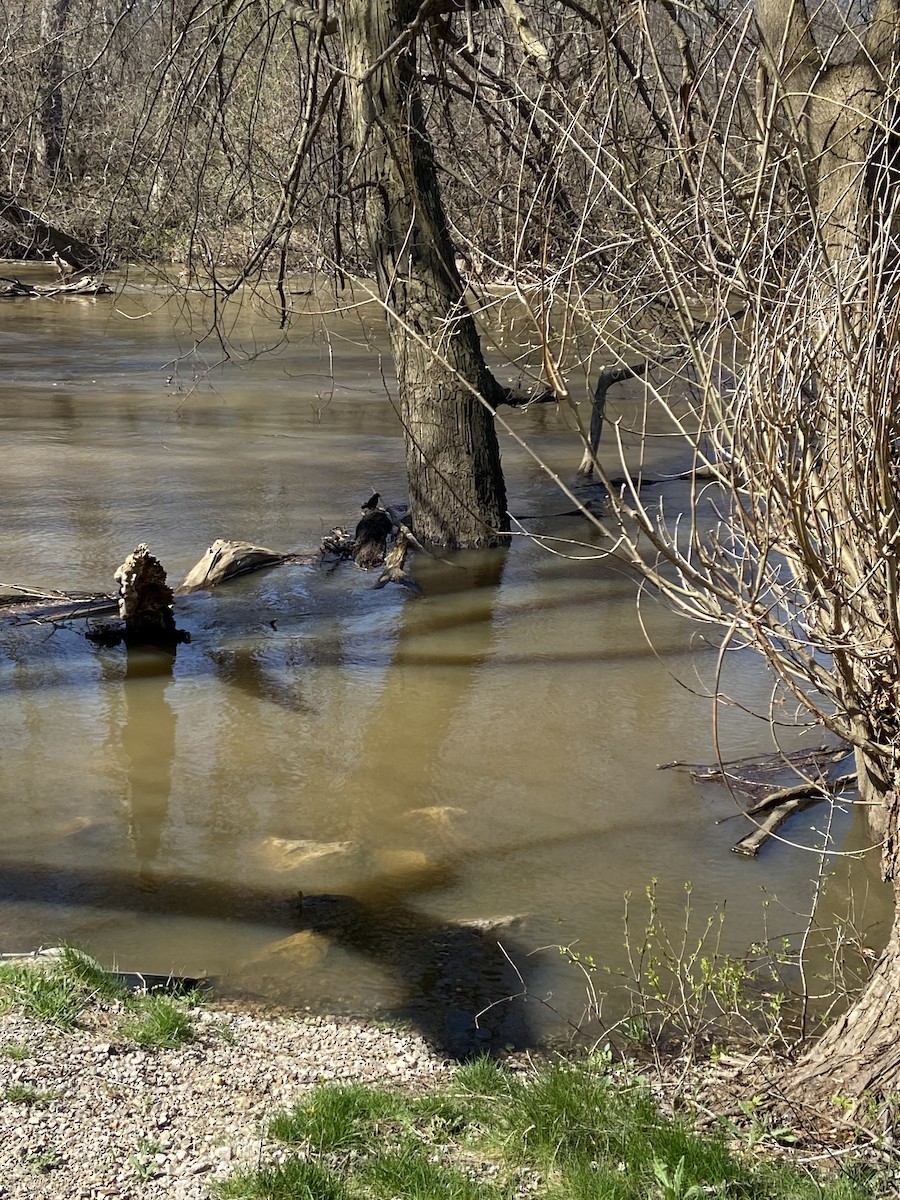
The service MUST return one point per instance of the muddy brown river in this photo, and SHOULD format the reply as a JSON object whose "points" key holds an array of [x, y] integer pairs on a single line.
{"points": [[337, 797]]}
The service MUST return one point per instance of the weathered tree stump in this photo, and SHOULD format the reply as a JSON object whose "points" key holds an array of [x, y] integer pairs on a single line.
{"points": [[145, 600]]}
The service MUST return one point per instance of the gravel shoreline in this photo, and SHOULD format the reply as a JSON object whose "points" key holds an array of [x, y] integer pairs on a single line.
{"points": [[123, 1122]]}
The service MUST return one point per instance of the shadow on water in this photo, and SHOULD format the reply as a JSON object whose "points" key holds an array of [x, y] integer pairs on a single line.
{"points": [[433, 968], [450, 971], [446, 973]]}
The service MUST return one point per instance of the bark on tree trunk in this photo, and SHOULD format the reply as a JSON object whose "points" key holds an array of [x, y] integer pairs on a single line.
{"points": [[54, 17], [456, 489], [859, 1055]]}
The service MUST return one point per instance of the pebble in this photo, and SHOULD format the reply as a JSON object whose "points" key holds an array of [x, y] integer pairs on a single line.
{"points": [[149, 1124]]}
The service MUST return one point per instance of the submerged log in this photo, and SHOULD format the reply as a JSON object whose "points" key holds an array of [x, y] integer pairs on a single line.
{"points": [[23, 606], [368, 547], [145, 601], [751, 843], [822, 771]]}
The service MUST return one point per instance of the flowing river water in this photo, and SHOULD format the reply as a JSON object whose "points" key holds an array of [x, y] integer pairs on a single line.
{"points": [[338, 797]]}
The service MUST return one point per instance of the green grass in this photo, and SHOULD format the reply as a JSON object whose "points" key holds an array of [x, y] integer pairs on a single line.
{"points": [[17, 1051], [297, 1179], [569, 1131], [27, 1094], [330, 1119], [56, 990], [85, 972], [409, 1173], [42, 994], [158, 1020]]}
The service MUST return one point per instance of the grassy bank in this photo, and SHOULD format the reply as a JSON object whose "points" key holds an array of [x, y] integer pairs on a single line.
{"points": [[579, 1128], [59, 989], [564, 1131]]}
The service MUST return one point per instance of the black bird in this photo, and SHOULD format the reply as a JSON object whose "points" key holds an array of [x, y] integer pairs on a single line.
{"points": [[372, 503]]}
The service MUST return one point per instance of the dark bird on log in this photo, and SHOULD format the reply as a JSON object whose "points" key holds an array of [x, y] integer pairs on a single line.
{"points": [[372, 533]]}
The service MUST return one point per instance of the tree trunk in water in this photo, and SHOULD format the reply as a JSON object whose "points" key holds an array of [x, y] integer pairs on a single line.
{"points": [[456, 489]]}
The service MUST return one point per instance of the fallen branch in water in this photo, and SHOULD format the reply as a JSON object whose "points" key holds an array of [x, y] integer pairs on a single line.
{"points": [[822, 775], [36, 607], [750, 771], [781, 804], [87, 285]]}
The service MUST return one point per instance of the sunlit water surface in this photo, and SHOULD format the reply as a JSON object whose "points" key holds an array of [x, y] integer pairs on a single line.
{"points": [[335, 796]]}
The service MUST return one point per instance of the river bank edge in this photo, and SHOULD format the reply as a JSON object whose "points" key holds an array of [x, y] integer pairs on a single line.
{"points": [[88, 1112]]}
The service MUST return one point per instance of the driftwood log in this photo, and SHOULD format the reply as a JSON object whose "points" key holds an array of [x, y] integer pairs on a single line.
{"points": [[145, 602], [22, 605], [85, 285], [367, 547], [227, 560], [782, 804]]}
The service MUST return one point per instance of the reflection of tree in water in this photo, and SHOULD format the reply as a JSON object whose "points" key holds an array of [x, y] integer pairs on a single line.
{"points": [[448, 971], [148, 741], [444, 972]]}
